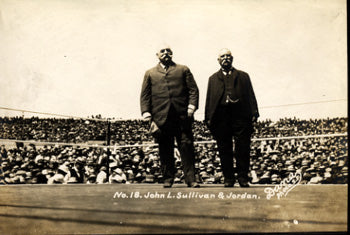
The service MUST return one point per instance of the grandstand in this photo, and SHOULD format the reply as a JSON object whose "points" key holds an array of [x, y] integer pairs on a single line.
{"points": [[316, 148], [119, 157]]}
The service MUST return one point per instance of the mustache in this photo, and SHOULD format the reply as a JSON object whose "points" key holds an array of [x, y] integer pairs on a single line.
{"points": [[166, 56]]}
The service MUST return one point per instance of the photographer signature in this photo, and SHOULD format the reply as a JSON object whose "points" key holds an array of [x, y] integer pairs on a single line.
{"points": [[284, 187]]}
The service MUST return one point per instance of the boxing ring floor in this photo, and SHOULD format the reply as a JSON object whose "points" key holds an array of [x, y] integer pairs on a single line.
{"points": [[149, 208]]}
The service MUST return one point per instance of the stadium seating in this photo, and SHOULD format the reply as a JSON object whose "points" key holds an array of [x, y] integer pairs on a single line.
{"points": [[318, 160]]}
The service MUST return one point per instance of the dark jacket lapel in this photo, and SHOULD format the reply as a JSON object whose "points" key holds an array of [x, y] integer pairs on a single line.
{"points": [[172, 66], [234, 76], [160, 68], [218, 88]]}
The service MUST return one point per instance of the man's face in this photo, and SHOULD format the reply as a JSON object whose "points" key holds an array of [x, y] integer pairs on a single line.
{"points": [[165, 55], [225, 59]]}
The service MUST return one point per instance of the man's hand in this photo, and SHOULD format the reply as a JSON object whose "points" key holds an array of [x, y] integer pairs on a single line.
{"points": [[190, 110], [254, 119], [147, 116], [207, 122]]}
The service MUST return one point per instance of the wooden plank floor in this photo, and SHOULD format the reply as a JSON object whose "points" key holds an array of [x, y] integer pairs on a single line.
{"points": [[68, 209]]}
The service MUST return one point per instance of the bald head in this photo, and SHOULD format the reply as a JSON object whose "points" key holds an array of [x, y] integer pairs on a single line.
{"points": [[161, 46], [225, 59], [224, 51]]}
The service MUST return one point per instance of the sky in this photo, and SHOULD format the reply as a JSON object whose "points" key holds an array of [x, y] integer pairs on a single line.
{"points": [[88, 57]]}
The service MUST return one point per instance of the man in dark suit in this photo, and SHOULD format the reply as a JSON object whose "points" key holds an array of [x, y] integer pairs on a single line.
{"points": [[169, 98], [230, 111]]}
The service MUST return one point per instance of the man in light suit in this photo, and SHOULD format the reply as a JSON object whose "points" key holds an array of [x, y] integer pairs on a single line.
{"points": [[169, 98], [230, 111]]}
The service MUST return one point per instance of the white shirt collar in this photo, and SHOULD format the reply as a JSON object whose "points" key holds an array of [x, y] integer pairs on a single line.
{"points": [[163, 66], [225, 73]]}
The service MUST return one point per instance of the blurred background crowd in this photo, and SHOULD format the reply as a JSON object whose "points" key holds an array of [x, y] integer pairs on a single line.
{"points": [[319, 160], [135, 131]]}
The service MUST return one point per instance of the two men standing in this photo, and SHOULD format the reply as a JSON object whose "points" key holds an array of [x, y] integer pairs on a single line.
{"points": [[169, 98]]}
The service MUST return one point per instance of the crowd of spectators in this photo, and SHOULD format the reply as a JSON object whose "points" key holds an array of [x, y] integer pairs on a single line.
{"points": [[318, 160], [135, 131]]}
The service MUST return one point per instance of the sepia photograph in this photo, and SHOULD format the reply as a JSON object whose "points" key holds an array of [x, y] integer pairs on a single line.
{"points": [[173, 117]]}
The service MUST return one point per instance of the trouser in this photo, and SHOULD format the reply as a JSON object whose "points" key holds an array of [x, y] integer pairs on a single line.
{"points": [[179, 128], [228, 127]]}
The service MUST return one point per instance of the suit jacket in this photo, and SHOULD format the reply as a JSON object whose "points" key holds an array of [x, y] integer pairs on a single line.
{"points": [[161, 89], [242, 89]]}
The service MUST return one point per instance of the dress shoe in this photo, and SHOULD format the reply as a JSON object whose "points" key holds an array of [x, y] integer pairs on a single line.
{"points": [[167, 184], [229, 184], [193, 185], [243, 183]]}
